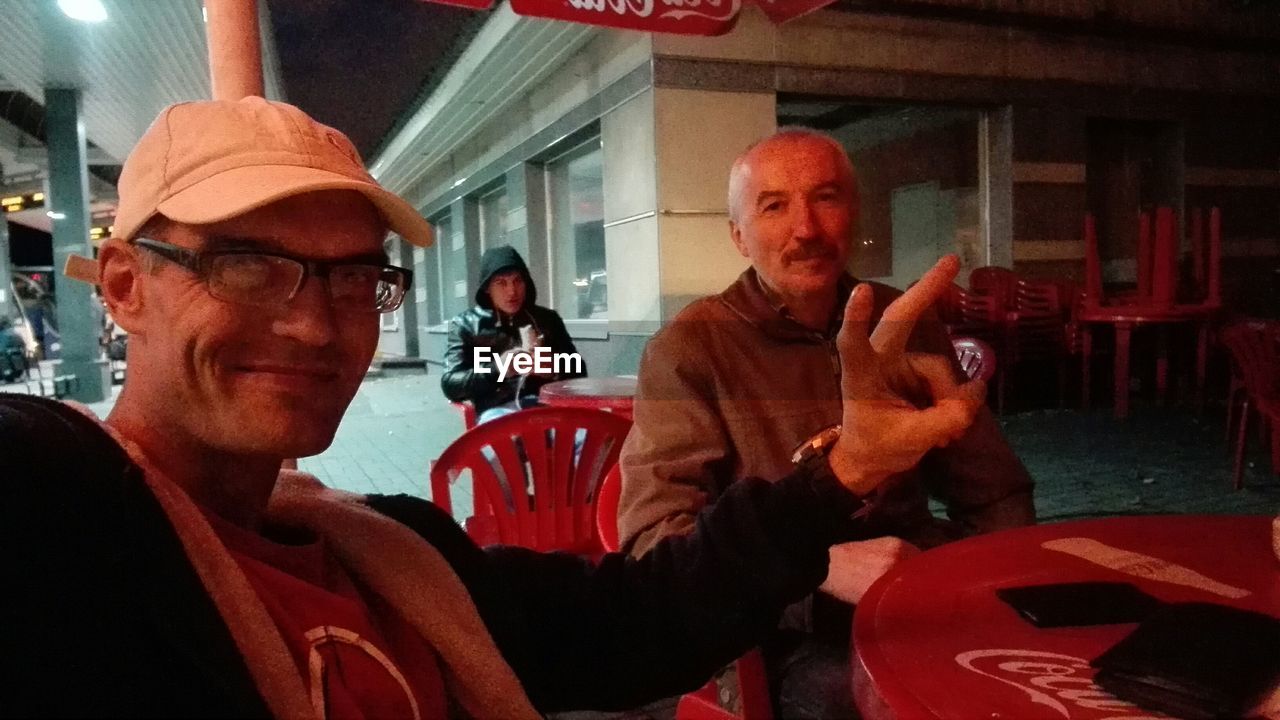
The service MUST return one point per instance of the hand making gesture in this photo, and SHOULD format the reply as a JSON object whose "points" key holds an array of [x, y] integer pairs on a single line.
{"points": [[897, 405]]}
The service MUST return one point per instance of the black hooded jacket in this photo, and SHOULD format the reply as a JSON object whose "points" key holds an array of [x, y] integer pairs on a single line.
{"points": [[483, 326]]}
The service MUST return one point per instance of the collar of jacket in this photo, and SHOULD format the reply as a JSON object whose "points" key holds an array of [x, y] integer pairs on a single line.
{"points": [[748, 298]]}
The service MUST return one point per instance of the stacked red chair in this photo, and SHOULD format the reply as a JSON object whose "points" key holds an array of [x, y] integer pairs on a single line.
{"points": [[1157, 299], [1255, 351]]}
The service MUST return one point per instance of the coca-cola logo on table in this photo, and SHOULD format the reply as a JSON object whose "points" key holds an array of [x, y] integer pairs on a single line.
{"points": [[1062, 683]]}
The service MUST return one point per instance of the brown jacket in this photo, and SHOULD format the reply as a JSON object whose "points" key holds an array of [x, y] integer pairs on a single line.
{"points": [[732, 385]]}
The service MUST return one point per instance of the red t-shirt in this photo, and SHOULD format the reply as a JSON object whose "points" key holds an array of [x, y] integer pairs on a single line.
{"points": [[358, 658]]}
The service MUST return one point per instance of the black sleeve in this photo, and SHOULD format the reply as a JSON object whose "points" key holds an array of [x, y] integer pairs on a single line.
{"points": [[563, 343], [105, 615], [616, 634], [460, 381]]}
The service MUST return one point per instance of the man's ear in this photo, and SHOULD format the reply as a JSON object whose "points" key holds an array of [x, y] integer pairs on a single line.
{"points": [[735, 232], [120, 276]]}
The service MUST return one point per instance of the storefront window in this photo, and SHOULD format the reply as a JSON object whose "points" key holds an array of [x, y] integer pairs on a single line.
{"points": [[493, 219], [918, 175], [576, 195], [428, 276]]}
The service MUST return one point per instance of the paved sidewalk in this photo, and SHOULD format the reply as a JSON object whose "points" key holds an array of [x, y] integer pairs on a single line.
{"points": [[393, 429], [1085, 464]]}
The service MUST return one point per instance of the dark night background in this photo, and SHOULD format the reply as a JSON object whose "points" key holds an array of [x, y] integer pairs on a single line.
{"points": [[358, 65]]}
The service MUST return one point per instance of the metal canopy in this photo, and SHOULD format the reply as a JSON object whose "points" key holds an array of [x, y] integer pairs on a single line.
{"points": [[146, 55]]}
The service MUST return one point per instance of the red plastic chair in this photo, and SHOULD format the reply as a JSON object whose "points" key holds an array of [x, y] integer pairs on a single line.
{"points": [[468, 412], [551, 503], [977, 358], [703, 703], [1255, 350], [969, 314], [1036, 329], [994, 281], [607, 509]]}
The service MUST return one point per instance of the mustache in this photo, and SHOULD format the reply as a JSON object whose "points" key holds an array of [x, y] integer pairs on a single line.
{"points": [[810, 251]]}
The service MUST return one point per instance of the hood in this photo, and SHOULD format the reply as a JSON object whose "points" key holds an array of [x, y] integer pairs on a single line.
{"points": [[500, 259]]}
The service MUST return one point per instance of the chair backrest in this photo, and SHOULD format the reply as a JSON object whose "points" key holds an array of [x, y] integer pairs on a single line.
{"points": [[978, 308], [468, 411], [1039, 297], [607, 509], [994, 281], [535, 476], [977, 358], [1255, 351]]}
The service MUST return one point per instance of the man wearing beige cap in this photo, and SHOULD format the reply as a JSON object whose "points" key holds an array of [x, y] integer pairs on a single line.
{"points": [[163, 564]]}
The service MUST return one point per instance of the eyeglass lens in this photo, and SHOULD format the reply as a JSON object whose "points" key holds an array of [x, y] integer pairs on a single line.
{"points": [[269, 280]]}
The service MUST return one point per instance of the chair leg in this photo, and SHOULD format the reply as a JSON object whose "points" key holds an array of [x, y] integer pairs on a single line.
{"points": [[1237, 477], [1275, 448], [1000, 376], [1086, 360], [1231, 411], [1062, 382]]}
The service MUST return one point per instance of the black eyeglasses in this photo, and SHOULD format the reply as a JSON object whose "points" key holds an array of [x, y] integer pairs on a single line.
{"points": [[272, 279]]}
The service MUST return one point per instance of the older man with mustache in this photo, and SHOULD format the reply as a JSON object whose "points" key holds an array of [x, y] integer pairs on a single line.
{"points": [[738, 380]]}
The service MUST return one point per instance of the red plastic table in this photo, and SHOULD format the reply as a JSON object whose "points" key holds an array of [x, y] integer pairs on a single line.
{"points": [[614, 394], [1125, 319], [931, 639]]}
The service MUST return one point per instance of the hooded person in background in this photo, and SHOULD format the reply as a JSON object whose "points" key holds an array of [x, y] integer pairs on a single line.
{"points": [[11, 343], [506, 304]]}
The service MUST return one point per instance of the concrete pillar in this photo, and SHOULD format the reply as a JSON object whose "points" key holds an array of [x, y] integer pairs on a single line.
{"points": [[460, 257], [532, 187], [630, 216], [518, 209], [698, 135], [408, 309], [79, 318], [8, 303], [235, 48]]}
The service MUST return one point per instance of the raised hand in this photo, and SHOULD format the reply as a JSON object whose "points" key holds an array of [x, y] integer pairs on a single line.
{"points": [[897, 405], [854, 567]]}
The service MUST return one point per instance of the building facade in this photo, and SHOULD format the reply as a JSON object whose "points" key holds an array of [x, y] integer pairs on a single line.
{"points": [[976, 128]]}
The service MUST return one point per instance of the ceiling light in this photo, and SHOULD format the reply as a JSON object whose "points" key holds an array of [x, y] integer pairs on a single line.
{"points": [[83, 10], [56, 215]]}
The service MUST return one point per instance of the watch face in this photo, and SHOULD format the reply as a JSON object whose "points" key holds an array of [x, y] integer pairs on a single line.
{"points": [[819, 444]]}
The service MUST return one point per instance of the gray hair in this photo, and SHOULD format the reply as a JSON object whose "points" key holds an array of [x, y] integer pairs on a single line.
{"points": [[739, 172]]}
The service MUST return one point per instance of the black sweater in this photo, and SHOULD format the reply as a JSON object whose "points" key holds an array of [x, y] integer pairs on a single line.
{"points": [[105, 615]]}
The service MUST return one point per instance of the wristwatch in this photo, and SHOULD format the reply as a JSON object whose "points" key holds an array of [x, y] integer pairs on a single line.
{"points": [[811, 456], [817, 446]]}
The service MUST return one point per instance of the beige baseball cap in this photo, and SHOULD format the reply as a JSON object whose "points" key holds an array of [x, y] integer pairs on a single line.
{"points": [[204, 162]]}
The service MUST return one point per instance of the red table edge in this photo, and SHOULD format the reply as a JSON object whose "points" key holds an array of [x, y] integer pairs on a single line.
{"points": [[891, 695], [889, 692]]}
